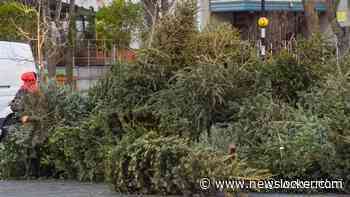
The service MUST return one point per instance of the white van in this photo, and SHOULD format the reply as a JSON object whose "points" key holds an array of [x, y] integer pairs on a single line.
{"points": [[15, 59]]}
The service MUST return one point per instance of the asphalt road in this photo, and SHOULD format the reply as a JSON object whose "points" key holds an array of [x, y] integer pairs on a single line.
{"points": [[56, 188], [53, 189]]}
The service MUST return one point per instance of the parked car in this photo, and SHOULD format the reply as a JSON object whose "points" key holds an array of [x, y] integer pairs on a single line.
{"points": [[16, 64]]}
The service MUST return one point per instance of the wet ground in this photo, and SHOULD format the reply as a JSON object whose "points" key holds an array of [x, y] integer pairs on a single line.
{"points": [[53, 189], [76, 189]]}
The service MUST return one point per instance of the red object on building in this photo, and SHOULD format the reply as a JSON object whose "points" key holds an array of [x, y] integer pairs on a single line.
{"points": [[30, 82], [126, 55]]}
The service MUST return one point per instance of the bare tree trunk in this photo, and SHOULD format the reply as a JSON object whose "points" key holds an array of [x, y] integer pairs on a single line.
{"points": [[47, 49], [40, 38], [149, 7], [71, 44], [164, 7], [51, 66], [154, 10], [311, 18]]}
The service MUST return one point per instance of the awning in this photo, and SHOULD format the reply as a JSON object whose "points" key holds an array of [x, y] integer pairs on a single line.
{"points": [[255, 5]]}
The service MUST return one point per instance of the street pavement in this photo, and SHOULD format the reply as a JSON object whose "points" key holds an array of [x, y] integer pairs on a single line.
{"points": [[54, 188]]}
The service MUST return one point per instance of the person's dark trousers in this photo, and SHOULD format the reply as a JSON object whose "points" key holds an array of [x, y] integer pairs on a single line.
{"points": [[9, 120], [2, 121]]}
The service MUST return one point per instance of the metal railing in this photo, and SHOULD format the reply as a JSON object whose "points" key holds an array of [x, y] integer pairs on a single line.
{"points": [[100, 52]]}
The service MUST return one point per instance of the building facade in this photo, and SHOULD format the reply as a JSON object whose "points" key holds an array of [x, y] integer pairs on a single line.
{"points": [[286, 17]]}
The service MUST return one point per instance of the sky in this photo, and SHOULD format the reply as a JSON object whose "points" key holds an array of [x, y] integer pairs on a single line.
{"points": [[89, 3], [95, 3]]}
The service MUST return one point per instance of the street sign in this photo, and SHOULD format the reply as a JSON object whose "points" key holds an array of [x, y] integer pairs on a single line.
{"points": [[343, 13], [263, 22]]}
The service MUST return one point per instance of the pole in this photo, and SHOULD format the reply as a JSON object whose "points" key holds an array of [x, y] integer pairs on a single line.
{"points": [[263, 32], [263, 7]]}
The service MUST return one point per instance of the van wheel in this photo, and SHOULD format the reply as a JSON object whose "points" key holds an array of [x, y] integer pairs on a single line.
{"points": [[6, 125]]}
